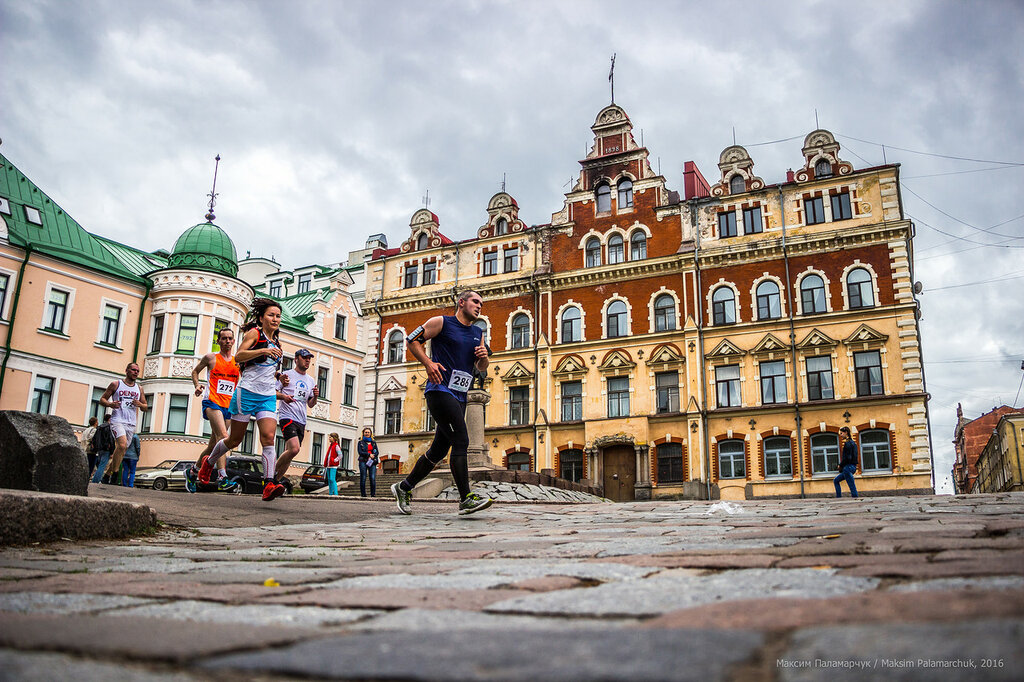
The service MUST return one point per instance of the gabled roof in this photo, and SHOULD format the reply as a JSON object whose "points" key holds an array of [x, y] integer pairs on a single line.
{"points": [[59, 235], [138, 261], [297, 310]]}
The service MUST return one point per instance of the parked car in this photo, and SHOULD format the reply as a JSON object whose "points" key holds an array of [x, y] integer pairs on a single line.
{"points": [[315, 478], [246, 472], [167, 475]]}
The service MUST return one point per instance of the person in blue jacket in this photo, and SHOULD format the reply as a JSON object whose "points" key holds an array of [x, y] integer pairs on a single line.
{"points": [[847, 463]]}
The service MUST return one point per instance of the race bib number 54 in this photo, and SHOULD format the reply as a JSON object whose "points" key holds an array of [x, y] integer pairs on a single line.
{"points": [[460, 381]]}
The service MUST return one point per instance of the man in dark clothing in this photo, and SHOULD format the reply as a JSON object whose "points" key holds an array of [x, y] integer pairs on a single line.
{"points": [[847, 463], [103, 442]]}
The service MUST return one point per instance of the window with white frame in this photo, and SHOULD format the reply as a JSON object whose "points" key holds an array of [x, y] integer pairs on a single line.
{"points": [[393, 415], [177, 413], [491, 263], [430, 273], [875, 454], [732, 461], [42, 394], [340, 326], [666, 386], [812, 294], [396, 347], [5, 283], [778, 456], [664, 313], [618, 396], [55, 317], [572, 401], [819, 378], [305, 281], [411, 275], [519, 405], [617, 320], [593, 252], [773, 382], [723, 306], [511, 259], [824, 453], [638, 246], [188, 330], [275, 289], [520, 331], [604, 198], [616, 249], [858, 288], [572, 325], [670, 462], [727, 385], [110, 325], [868, 370], [769, 306], [625, 198], [33, 215]]}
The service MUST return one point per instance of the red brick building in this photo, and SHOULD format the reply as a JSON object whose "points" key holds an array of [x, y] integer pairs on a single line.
{"points": [[969, 440]]}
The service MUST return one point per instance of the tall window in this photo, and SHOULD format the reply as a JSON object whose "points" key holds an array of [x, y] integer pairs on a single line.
{"points": [[147, 421], [519, 461], [95, 409], [841, 206], [396, 347], [732, 462], [275, 289], [350, 389], [819, 378], [858, 285], [56, 311], [340, 327], [512, 259], [670, 463], [572, 401], [422, 242], [188, 330], [727, 385], [625, 194], [723, 306], [812, 294], [815, 209], [111, 325], [737, 185], [727, 224], [158, 334], [5, 283], [874, 450], [664, 313], [570, 465], [638, 246], [177, 413], [430, 273], [666, 386], [344, 447], [868, 368], [618, 397], [616, 249], [317, 451], [412, 275], [217, 326], [617, 319], [604, 198], [42, 394], [520, 331], [823, 169], [491, 263], [572, 325], [773, 382], [768, 301], [393, 415], [752, 220], [824, 453], [593, 252], [778, 457], [502, 227], [322, 374], [519, 405], [305, 280]]}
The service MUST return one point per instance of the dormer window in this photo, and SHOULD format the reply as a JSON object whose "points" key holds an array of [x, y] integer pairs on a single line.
{"points": [[625, 194], [737, 185], [33, 215], [422, 242], [604, 198], [502, 227], [275, 289], [823, 169], [305, 280]]}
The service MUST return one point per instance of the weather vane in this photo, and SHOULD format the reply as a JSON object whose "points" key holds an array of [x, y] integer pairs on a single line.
{"points": [[611, 77], [426, 200], [213, 193]]}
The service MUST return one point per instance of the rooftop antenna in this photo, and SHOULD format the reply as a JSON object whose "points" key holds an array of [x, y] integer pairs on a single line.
{"points": [[426, 199], [641, 137], [611, 78], [210, 217], [734, 136], [816, 126], [659, 165], [502, 182]]}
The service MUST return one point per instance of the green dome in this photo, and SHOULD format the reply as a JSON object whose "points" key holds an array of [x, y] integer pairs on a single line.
{"points": [[205, 247]]}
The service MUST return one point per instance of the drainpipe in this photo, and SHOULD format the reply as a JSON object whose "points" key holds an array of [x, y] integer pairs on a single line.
{"points": [[1016, 447], [14, 314], [138, 329], [792, 349], [376, 356], [706, 446], [536, 367]]}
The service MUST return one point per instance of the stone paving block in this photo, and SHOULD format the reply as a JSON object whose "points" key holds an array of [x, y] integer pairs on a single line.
{"points": [[938, 569], [427, 582], [16, 574], [517, 655], [604, 570], [391, 598], [260, 613], [20, 666], [847, 560], [448, 620], [983, 583], [44, 602], [695, 560], [908, 652]]}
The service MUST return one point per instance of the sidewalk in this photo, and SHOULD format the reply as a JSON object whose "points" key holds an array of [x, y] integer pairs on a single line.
{"points": [[877, 588]]}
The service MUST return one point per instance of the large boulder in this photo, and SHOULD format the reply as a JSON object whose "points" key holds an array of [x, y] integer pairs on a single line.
{"points": [[40, 452]]}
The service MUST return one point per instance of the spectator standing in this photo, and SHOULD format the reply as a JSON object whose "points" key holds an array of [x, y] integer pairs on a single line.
{"points": [[103, 443], [130, 461], [86, 441], [369, 455], [331, 464], [848, 463]]}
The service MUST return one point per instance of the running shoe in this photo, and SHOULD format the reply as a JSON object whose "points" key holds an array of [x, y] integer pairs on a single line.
{"points": [[474, 503], [226, 484], [403, 498], [190, 479], [205, 471], [272, 491]]}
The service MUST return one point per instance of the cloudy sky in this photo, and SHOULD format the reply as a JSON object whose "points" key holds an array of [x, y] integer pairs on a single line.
{"points": [[333, 120]]}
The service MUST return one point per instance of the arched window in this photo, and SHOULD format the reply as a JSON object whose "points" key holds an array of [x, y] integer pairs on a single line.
{"points": [[664, 313], [823, 169], [502, 227], [422, 242], [625, 194], [570, 465], [731, 460], [617, 322], [824, 453], [396, 347], [723, 306], [572, 325], [604, 198], [616, 249], [519, 461], [737, 185], [593, 252], [812, 294], [638, 246], [858, 287], [768, 301], [874, 450], [778, 456], [520, 331]]}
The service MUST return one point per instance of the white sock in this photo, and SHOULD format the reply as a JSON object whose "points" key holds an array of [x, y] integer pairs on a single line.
{"points": [[269, 461], [223, 473]]}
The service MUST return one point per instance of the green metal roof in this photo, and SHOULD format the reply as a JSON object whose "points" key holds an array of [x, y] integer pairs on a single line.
{"points": [[138, 261], [59, 235], [205, 247], [297, 310]]}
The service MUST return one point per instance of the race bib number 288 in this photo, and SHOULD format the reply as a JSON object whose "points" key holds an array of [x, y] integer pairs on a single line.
{"points": [[460, 381]]}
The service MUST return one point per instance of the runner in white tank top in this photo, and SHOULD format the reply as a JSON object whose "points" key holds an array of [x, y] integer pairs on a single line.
{"points": [[123, 397]]}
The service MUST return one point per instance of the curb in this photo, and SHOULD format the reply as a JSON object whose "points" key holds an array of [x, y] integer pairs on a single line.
{"points": [[28, 517]]}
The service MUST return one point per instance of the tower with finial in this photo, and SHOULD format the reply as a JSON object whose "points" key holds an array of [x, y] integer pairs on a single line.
{"points": [[210, 217]]}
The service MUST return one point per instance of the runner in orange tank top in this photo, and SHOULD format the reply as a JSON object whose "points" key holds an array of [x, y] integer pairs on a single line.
{"points": [[222, 380]]}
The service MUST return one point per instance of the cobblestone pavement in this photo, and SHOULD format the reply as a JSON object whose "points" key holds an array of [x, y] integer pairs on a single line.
{"points": [[876, 588]]}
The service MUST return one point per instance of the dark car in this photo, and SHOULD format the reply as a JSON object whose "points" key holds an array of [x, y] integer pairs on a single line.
{"points": [[315, 477], [245, 472]]}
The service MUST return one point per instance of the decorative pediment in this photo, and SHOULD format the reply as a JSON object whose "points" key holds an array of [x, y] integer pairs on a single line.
{"points": [[570, 365], [517, 373], [735, 161], [615, 361], [392, 385], [666, 355], [817, 339], [865, 335], [726, 349], [769, 344], [501, 207], [821, 149], [425, 224]]}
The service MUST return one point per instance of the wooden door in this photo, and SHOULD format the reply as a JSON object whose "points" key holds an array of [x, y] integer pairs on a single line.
{"points": [[619, 473]]}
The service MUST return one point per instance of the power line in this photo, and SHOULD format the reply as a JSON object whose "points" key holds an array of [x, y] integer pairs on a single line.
{"points": [[969, 241], [962, 222], [941, 156], [961, 172], [971, 284]]}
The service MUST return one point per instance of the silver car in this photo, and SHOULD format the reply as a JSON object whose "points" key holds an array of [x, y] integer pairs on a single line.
{"points": [[167, 475]]}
